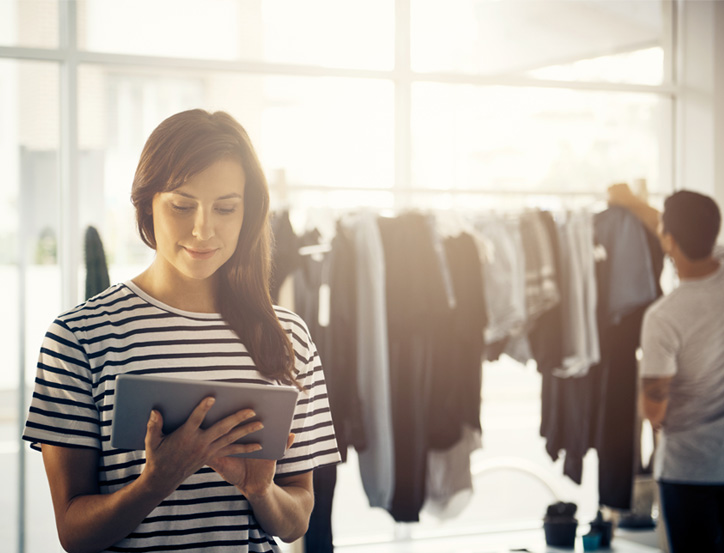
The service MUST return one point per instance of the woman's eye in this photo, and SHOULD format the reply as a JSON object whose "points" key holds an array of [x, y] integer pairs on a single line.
{"points": [[225, 210], [181, 208]]}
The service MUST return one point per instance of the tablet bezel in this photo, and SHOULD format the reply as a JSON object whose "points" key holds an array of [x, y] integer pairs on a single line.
{"points": [[175, 398]]}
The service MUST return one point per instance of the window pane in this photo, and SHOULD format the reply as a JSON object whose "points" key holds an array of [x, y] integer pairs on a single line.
{"points": [[527, 139], [307, 131], [29, 23], [28, 254], [518, 37], [317, 32]]}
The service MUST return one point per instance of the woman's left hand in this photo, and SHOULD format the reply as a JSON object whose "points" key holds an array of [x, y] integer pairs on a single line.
{"points": [[253, 477]]}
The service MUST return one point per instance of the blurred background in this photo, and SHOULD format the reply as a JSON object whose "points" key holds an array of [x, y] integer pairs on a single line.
{"points": [[384, 104]]}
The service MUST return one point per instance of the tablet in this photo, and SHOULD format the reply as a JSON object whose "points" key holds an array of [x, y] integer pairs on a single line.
{"points": [[176, 398]]}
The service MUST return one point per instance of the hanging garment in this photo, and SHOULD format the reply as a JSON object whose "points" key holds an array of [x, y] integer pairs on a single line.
{"points": [[546, 341], [568, 405], [456, 384], [96, 268], [634, 261], [285, 252], [416, 303], [318, 538], [332, 323], [517, 346], [457, 373], [376, 461], [546, 334], [449, 484], [341, 346], [504, 282], [624, 239], [579, 297], [541, 288]]}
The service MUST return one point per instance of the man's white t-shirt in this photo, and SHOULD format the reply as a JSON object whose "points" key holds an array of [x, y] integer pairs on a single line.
{"points": [[683, 337]]}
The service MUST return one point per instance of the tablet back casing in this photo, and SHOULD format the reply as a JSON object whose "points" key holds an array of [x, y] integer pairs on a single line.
{"points": [[176, 398]]}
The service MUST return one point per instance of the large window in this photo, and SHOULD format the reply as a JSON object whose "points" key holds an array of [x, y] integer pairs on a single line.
{"points": [[473, 104], [29, 268], [520, 139], [592, 40]]}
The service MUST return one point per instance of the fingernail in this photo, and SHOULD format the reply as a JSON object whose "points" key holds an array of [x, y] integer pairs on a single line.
{"points": [[210, 401], [154, 416]]}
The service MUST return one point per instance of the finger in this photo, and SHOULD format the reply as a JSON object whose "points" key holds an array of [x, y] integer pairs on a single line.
{"points": [[196, 418], [154, 430], [227, 424], [290, 440], [237, 433], [237, 449]]}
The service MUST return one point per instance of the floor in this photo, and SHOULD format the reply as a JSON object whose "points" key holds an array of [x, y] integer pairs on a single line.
{"points": [[532, 541]]}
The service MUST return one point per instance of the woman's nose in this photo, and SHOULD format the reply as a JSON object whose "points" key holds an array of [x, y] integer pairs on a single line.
{"points": [[203, 227]]}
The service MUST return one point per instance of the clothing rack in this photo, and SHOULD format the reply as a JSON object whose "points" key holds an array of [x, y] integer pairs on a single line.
{"points": [[455, 191], [281, 186]]}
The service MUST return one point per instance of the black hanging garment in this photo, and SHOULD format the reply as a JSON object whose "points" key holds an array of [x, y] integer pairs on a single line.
{"points": [[285, 252], [416, 303], [633, 263], [336, 341], [457, 373], [96, 275]]}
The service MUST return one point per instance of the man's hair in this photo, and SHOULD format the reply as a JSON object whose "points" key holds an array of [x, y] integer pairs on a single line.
{"points": [[694, 221]]}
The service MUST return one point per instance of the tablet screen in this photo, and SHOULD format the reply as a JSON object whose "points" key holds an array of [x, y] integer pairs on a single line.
{"points": [[176, 398]]}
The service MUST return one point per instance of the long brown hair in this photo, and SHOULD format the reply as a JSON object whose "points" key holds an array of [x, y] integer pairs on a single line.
{"points": [[182, 146]]}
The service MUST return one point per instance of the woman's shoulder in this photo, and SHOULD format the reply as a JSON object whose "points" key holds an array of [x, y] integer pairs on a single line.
{"points": [[112, 297], [294, 325], [289, 319]]}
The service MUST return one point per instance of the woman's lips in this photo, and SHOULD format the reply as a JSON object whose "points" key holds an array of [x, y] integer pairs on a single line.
{"points": [[200, 254]]}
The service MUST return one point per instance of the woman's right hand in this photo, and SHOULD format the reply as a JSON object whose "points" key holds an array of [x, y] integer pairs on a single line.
{"points": [[172, 458]]}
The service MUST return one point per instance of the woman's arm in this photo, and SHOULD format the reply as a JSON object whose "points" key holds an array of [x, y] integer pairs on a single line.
{"points": [[284, 509], [89, 521]]}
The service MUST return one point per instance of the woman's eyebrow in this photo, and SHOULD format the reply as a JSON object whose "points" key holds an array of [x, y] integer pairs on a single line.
{"points": [[233, 195]]}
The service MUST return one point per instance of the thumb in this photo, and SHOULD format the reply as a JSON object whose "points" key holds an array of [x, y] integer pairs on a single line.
{"points": [[290, 440], [154, 430]]}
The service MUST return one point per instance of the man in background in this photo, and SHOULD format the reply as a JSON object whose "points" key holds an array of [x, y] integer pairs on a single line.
{"points": [[682, 368]]}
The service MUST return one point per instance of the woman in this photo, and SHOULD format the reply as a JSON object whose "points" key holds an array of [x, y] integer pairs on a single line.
{"points": [[201, 310]]}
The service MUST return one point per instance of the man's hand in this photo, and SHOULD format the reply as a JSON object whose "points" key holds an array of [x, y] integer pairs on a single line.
{"points": [[621, 194]]}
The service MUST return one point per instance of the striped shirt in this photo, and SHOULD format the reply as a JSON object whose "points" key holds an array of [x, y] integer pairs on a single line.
{"points": [[123, 330]]}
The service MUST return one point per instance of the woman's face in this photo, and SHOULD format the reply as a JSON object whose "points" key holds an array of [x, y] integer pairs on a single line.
{"points": [[197, 225]]}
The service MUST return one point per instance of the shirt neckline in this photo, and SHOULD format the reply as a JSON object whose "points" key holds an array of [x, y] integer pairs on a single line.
{"points": [[705, 279], [161, 305]]}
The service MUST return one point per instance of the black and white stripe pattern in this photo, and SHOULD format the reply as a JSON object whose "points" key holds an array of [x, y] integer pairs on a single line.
{"points": [[122, 330]]}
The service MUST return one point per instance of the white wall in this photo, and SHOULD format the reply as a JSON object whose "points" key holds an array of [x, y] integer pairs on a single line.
{"points": [[700, 116], [719, 95]]}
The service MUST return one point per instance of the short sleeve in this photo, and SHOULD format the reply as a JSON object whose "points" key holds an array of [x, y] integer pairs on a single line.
{"points": [[314, 442], [659, 344], [62, 410], [718, 252]]}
